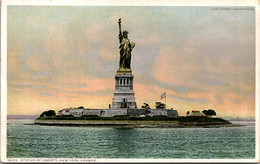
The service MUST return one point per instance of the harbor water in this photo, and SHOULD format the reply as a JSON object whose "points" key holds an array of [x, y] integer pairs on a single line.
{"points": [[35, 141]]}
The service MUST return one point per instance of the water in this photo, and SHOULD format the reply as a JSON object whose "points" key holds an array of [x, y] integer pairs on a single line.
{"points": [[34, 141]]}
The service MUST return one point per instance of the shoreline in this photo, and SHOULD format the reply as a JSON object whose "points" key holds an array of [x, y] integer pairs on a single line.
{"points": [[133, 124]]}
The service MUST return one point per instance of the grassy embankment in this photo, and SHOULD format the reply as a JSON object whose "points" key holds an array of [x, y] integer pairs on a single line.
{"points": [[179, 119]]}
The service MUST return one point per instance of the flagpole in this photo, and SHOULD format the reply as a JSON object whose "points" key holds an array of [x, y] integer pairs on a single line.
{"points": [[165, 100]]}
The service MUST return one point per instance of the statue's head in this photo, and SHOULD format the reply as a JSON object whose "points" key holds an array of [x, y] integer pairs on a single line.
{"points": [[125, 33]]}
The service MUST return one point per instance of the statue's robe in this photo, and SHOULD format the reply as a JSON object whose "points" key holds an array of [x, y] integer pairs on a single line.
{"points": [[125, 52]]}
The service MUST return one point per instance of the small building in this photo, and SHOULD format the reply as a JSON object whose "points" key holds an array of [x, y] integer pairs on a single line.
{"points": [[196, 114], [64, 112]]}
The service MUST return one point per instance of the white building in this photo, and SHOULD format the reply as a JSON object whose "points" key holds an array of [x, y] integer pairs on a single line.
{"points": [[196, 114]]}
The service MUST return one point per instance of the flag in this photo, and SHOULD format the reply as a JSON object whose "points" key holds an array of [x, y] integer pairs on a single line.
{"points": [[163, 95]]}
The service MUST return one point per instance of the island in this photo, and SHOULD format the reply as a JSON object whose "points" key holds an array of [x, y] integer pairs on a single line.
{"points": [[134, 122], [193, 120]]}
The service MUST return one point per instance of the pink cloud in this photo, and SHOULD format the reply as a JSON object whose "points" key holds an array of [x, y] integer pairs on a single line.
{"points": [[222, 78], [13, 62], [73, 84], [174, 67], [108, 53], [35, 64], [30, 102]]}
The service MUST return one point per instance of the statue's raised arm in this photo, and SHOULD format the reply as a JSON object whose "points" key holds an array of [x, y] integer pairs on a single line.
{"points": [[119, 24], [120, 31]]}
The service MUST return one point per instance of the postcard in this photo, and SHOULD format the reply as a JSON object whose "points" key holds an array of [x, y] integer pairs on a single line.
{"points": [[148, 81]]}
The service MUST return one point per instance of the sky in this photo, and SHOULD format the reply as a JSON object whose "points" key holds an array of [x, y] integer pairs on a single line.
{"points": [[60, 57]]}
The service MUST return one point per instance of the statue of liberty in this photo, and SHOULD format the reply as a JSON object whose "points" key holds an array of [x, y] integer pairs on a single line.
{"points": [[125, 50]]}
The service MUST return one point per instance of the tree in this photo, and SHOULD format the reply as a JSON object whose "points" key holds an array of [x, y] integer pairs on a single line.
{"points": [[43, 114], [80, 107], [159, 105], [209, 112], [205, 112], [146, 106], [48, 113], [188, 112]]}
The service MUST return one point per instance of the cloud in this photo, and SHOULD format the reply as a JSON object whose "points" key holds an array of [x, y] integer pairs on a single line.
{"points": [[174, 67], [216, 67], [35, 64], [206, 57], [68, 84], [28, 102], [13, 62], [34, 97], [108, 53]]}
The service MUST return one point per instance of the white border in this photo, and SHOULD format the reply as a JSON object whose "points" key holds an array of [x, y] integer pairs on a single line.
{"points": [[3, 79], [5, 3], [105, 160], [134, 3], [257, 79]]}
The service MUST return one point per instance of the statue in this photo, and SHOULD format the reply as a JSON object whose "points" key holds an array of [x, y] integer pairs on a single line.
{"points": [[125, 50]]}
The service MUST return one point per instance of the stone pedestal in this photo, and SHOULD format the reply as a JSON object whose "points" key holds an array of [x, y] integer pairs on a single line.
{"points": [[124, 96]]}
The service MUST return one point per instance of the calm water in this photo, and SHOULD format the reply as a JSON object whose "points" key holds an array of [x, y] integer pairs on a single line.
{"points": [[34, 141]]}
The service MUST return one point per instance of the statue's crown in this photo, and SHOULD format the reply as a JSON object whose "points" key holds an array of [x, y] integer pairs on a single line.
{"points": [[125, 32]]}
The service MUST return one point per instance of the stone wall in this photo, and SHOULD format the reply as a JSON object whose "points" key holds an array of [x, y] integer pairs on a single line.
{"points": [[137, 112], [92, 112], [122, 112], [172, 113], [152, 112], [158, 112], [76, 112], [105, 112], [114, 112]]}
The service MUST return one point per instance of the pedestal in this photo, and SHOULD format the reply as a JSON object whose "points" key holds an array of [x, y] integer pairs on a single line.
{"points": [[124, 96]]}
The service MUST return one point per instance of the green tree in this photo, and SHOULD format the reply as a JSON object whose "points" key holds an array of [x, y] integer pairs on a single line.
{"points": [[209, 112], [48, 113], [188, 112], [145, 106], [43, 114], [159, 105]]}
